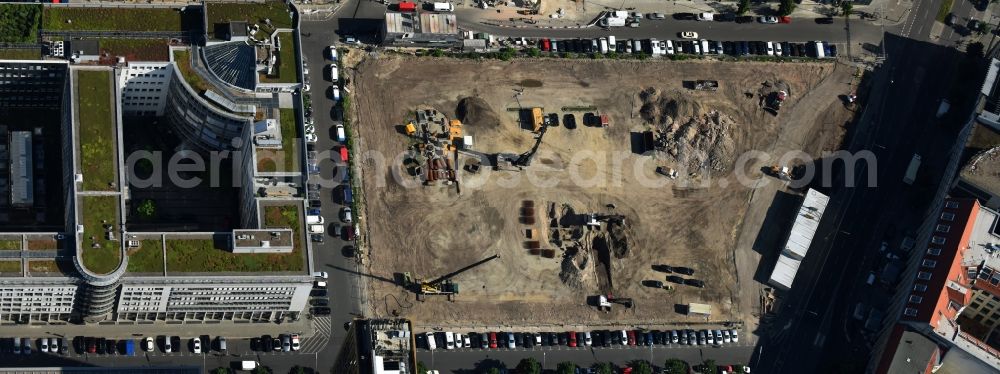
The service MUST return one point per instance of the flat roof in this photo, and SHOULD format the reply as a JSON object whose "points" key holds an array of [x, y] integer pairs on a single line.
{"points": [[913, 353], [784, 272], [88, 47], [272, 238], [420, 23], [21, 170], [806, 221], [983, 171]]}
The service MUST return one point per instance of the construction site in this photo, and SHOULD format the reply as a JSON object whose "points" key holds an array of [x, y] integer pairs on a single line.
{"points": [[546, 192]]}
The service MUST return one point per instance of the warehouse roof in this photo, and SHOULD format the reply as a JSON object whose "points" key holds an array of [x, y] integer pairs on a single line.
{"points": [[420, 23], [784, 272], [806, 222]]}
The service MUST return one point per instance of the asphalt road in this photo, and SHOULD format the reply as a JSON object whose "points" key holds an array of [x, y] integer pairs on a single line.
{"points": [[329, 256], [799, 31], [896, 123], [457, 361]]}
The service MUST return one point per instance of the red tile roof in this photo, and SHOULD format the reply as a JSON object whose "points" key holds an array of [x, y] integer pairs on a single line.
{"points": [[948, 267]]}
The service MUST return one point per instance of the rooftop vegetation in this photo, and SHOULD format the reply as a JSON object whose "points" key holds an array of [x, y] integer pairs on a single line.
{"points": [[100, 255], [96, 131]]}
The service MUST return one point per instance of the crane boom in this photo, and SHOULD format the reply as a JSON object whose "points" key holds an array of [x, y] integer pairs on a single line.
{"points": [[462, 270]]}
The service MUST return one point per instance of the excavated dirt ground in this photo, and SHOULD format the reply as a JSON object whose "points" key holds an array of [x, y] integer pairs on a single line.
{"points": [[433, 230]]}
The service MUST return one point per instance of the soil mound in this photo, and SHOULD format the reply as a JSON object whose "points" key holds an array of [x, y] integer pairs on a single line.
{"points": [[476, 112]]}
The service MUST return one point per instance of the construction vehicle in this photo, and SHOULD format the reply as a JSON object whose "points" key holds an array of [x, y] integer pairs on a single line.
{"points": [[706, 85], [442, 285], [774, 100], [604, 302], [781, 172], [524, 159], [537, 121]]}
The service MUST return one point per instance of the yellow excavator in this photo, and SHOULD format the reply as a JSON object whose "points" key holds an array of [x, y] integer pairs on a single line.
{"points": [[443, 285]]}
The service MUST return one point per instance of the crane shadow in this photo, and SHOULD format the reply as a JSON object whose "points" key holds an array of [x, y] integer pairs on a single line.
{"points": [[372, 276]]}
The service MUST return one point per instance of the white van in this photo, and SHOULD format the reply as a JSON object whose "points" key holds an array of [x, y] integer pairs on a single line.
{"points": [[334, 73], [670, 47], [314, 220], [704, 47], [248, 365], [818, 46], [604, 45], [316, 229], [444, 7], [612, 43], [431, 344], [341, 135], [449, 340], [770, 48]]}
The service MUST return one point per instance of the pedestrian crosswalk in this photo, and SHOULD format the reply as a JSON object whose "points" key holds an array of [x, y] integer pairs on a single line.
{"points": [[322, 329]]}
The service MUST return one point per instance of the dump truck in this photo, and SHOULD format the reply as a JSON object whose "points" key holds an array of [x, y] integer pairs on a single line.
{"points": [[536, 119]]}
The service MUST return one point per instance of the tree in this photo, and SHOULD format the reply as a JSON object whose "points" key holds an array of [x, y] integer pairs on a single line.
{"points": [[786, 7], [846, 7], [421, 368], [298, 370], [641, 367], [743, 7], [605, 368], [709, 367], [147, 208], [437, 52], [492, 371], [566, 367], [675, 366], [261, 370], [220, 371], [534, 52], [529, 366]]}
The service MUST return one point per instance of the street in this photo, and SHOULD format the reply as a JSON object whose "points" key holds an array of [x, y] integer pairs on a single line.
{"points": [[465, 359]]}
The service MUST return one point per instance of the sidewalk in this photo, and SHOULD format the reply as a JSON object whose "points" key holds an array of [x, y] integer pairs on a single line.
{"points": [[225, 328], [566, 13]]}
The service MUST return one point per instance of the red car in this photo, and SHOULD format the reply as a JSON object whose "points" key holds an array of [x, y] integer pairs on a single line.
{"points": [[631, 337], [343, 153], [572, 339], [493, 340], [545, 45], [785, 19]]}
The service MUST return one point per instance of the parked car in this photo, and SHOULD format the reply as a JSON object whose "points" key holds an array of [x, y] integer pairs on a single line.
{"points": [[657, 16], [744, 19], [688, 35], [510, 341], [685, 16], [735, 336], [196, 345], [767, 19], [824, 20], [320, 311]]}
